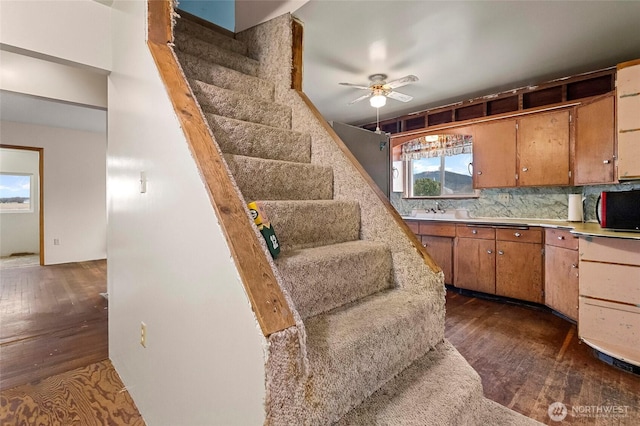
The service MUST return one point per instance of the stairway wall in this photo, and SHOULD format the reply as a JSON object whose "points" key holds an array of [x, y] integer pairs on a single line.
{"points": [[168, 261]]}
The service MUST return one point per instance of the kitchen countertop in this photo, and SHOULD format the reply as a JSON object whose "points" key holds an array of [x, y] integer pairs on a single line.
{"points": [[579, 228]]}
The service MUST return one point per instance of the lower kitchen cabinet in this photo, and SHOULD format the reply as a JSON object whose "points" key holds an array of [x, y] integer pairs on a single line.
{"points": [[475, 264], [519, 264], [441, 251], [561, 272]]}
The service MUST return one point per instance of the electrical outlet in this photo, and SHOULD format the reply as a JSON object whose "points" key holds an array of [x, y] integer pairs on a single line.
{"points": [[504, 197], [56, 241], [143, 334]]}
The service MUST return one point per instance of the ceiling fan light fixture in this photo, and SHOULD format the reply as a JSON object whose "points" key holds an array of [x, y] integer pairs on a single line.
{"points": [[378, 101]]}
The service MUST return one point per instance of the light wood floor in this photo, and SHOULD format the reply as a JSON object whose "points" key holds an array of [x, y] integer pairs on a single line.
{"points": [[529, 358], [53, 320]]}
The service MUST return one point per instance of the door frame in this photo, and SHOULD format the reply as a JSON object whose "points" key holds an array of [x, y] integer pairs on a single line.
{"points": [[40, 192]]}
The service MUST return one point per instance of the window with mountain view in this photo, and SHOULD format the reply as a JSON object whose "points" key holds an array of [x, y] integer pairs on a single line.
{"points": [[439, 166]]}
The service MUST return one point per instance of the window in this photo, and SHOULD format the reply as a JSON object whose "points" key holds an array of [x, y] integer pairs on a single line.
{"points": [[439, 166], [15, 192]]}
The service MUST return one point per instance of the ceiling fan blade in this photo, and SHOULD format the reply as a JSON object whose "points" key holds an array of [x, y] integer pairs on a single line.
{"points": [[394, 84], [357, 86], [361, 98], [399, 96]]}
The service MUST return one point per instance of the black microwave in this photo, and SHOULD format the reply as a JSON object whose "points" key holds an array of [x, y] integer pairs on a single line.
{"points": [[619, 210]]}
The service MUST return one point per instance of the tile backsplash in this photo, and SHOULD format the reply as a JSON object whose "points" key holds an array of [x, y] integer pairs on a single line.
{"points": [[525, 203]]}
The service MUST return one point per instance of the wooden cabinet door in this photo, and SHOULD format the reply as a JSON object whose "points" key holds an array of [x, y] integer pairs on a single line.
{"points": [[494, 154], [474, 265], [519, 270], [561, 280], [628, 90], [595, 142], [543, 149], [441, 251]]}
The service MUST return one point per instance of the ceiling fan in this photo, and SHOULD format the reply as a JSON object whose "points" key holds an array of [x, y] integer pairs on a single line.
{"points": [[380, 89]]}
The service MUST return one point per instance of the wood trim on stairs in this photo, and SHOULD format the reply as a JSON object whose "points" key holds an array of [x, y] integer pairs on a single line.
{"points": [[297, 30], [269, 304], [385, 201]]}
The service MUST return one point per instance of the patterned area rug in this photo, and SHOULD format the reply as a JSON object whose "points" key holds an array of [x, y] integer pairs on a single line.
{"points": [[92, 395]]}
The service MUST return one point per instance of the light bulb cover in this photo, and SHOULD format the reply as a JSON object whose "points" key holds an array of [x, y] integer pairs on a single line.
{"points": [[378, 101]]}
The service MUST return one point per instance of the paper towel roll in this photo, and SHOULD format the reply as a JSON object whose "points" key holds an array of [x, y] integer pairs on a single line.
{"points": [[575, 208]]}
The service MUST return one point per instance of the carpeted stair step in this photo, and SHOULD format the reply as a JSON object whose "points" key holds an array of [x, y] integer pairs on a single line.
{"points": [[257, 140], [262, 179], [216, 54], [198, 69], [440, 388], [490, 412], [322, 278], [313, 223], [219, 101], [195, 30], [355, 349]]}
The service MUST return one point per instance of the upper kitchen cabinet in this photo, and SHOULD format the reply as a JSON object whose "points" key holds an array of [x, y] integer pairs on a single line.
{"points": [[494, 154], [543, 149], [628, 92], [595, 142]]}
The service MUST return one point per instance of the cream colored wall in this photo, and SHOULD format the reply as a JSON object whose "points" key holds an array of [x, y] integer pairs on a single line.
{"points": [[74, 188], [20, 232], [169, 264], [250, 13]]}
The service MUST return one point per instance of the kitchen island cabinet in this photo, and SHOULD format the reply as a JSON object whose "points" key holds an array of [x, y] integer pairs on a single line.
{"points": [[561, 272]]}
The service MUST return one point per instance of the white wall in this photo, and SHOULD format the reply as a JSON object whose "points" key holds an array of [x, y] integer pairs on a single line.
{"points": [[169, 264], [76, 31], [250, 13], [74, 181], [20, 231]]}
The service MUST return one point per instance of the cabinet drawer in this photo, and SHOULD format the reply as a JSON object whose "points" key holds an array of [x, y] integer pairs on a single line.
{"points": [[610, 250], [473, 231], [611, 324], [438, 229], [414, 225], [620, 283], [531, 235], [561, 238]]}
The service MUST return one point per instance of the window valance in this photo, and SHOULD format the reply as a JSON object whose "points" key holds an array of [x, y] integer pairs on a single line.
{"points": [[437, 146]]}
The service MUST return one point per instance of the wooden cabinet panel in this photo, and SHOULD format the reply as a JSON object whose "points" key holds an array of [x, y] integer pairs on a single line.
{"points": [[561, 280], [441, 251], [532, 235], [494, 154], [414, 225], [519, 271], [474, 231], [561, 238], [595, 142], [628, 155], [474, 264], [619, 283], [628, 97], [438, 229], [543, 149], [610, 250]]}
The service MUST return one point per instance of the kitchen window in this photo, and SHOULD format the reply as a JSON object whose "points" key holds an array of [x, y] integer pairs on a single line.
{"points": [[439, 166]]}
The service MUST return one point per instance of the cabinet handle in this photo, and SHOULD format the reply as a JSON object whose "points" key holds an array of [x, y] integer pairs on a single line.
{"points": [[561, 237], [517, 234], [424, 245], [479, 172], [500, 252], [489, 251], [606, 161], [573, 265], [475, 231], [524, 169]]}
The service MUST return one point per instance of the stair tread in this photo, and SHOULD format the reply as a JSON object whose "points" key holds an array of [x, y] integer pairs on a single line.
{"points": [[215, 54], [229, 103], [186, 26], [322, 278], [197, 68]]}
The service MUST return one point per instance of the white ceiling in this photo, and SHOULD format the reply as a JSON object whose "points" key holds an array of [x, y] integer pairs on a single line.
{"points": [[459, 50]]}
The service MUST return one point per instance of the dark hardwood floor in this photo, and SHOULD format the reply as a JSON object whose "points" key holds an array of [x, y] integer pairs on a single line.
{"points": [[529, 358], [53, 319]]}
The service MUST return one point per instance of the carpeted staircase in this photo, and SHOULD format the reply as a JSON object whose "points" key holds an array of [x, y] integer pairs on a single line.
{"points": [[369, 346]]}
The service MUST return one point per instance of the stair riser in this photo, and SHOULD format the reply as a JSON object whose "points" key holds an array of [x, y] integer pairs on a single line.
{"points": [[260, 179], [184, 26], [217, 55], [226, 78], [219, 101], [304, 225], [254, 140], [320, 283]]}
